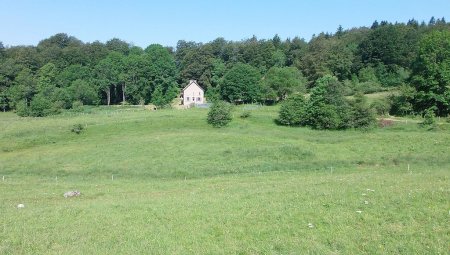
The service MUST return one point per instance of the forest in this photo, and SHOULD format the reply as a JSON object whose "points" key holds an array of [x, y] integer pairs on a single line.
{"points": [[410, 59]]}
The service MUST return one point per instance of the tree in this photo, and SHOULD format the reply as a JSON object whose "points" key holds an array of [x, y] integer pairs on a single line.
{"points": [[162, 74], [219, 114], [135, 76], [158, 98], [46, 78], [339, 31], [374, 25], [431, 74], [241, 84], [284, 81], [40, 106], [80, 90], [327, 107], [24, 88], [432, 21], [118, 45], [2, 51], [108, 73], [362, 116]]}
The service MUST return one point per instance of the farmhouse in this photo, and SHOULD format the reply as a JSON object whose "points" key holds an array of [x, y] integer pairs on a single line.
{"points": [[193, 94]]}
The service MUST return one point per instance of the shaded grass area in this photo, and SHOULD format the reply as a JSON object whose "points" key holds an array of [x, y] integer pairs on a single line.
{"points": [[183, 187]]}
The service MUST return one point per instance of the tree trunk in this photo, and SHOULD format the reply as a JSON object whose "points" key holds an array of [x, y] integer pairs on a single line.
{"points": [[124, 86], [108, 95]]}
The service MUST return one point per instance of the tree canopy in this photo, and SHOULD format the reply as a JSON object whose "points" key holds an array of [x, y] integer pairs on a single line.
{"points": [[63, 70]]}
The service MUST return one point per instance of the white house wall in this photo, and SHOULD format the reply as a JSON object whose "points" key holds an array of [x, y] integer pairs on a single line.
{"points": [[193, 94]]}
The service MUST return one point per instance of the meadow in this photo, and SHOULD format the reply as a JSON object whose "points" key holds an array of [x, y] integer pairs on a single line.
{"points": [[165, 182]]}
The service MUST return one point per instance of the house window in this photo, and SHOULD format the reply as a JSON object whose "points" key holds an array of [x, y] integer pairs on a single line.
{"points": [[187, 98], [198, 99]]}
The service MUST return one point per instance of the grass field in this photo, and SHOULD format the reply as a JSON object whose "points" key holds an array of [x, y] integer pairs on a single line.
{"points": [[183, 187]]}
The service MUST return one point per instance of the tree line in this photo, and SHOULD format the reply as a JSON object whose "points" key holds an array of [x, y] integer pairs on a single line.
{"points": [[62, 72]]}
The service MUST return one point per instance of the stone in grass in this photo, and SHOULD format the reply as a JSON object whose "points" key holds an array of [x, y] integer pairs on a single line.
{"points": [[73, 193], [19, 206], [310, 225]]}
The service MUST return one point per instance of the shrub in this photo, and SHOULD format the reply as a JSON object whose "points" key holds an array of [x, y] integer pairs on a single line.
{"points": [[245, 114], [77, 128], [219, 114], [77, 106], [362, 116], [22, 109], [324, 117], [292, 111], [429, 118], [40, 106], [381, 107]]}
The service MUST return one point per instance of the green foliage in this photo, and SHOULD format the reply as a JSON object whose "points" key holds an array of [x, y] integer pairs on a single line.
{"points": [[41, 106], [213, 94], [390, 45], [381, 106], [82, 91], [327, 108], [77, 106], [401, 103], [429, 118], [362, 115], [77, 129], [219, 115], [284, 81], [241, 84], [292, 111], [431, 75], [245, 114], [22, 109], [158, 98], [64, 69]]}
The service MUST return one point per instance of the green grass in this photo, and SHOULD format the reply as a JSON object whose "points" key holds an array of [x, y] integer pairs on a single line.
{"points": [[183, 187]]}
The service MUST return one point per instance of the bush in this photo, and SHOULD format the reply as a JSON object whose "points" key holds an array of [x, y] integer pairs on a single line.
{"points": [[324, 117], [219, 114], [369, 87], [429, 118], [327, 108], [22, 109], [245, 114], [77, 128], [362, 116], [292, 111], [40, 106], [381, 107], [77, 106]]}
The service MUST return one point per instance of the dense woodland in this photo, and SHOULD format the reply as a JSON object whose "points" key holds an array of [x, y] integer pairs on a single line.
{"points": [[62, 72]]}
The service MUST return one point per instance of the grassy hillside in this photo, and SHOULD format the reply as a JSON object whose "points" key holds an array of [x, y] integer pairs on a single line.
{"points": [[183, 187]]}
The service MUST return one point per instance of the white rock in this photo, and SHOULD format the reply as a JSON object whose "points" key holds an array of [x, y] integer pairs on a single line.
{"points": [[73, 193], [359, 211], [310, 225], [366, 202], [20, 206]]}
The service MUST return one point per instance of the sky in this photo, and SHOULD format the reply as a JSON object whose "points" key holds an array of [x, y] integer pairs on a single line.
{"points": [[141, 23]]}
